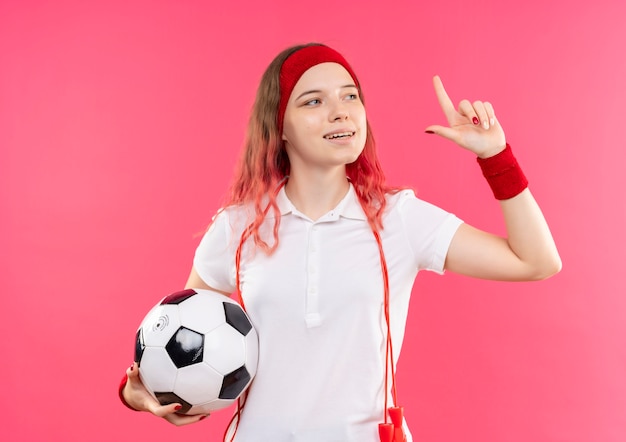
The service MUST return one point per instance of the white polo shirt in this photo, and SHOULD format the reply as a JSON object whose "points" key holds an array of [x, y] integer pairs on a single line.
{"points": [[317, 305]]}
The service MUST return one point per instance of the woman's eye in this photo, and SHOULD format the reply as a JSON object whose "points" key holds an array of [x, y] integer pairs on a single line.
{"points": [[313, 102], [352, 97]]}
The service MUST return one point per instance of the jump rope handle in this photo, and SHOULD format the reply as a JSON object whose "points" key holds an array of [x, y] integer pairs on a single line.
{"points": [[393, 432]]}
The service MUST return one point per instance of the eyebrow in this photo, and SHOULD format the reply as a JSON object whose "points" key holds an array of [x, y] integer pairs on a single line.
{"points": [[317, 91]]}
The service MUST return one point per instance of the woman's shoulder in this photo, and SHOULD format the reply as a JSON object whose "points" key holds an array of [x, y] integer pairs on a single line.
{"points": [[240, 215], [406, 200], [235, 214], [397, 196]]}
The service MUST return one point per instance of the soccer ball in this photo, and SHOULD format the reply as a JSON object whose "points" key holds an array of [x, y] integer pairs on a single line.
{"points": [[198, 348]]}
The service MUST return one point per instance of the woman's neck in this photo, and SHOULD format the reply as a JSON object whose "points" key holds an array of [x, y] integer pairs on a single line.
{"points": [[315, 195]]}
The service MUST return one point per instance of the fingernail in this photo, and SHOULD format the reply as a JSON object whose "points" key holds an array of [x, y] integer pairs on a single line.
{"points": [[475, 120], [203, 417], [492, 121], [178, 407], [132, 367], [429, 131], [486, 125]]}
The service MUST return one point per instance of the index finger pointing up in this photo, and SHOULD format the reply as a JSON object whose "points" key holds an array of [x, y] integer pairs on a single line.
{"points": [[444, 100]]}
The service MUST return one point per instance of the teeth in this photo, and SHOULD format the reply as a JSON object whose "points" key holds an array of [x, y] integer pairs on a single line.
{"points": [[339, 135]]}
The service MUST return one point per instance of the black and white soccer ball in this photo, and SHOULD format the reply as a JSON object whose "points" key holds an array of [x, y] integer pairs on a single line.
{"points": [[198, 348]]}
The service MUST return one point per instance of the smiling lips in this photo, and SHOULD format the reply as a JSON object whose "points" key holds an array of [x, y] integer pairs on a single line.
{"points": [[339, 135]]}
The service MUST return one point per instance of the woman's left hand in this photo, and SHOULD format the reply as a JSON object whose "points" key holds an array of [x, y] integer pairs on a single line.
{"points": [[473, 126]]}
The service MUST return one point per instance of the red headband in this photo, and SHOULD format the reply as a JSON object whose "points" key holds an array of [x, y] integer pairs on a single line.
{"points": [[297, 64]]}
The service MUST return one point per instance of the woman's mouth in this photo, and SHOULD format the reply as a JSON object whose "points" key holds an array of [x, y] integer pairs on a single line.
{"points": [[339, 135]]}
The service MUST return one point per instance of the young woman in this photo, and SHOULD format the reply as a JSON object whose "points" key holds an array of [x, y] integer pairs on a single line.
{"points": [[324, 254]]}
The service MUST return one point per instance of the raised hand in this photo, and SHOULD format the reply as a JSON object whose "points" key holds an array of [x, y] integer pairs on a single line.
{"points": [[473, 126]]}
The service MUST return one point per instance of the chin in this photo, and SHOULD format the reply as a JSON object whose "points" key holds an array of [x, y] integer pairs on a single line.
{"points": [[353, 159]]}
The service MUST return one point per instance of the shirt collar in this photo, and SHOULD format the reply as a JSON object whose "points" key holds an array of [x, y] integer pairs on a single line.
{"points": [[349, 207]]}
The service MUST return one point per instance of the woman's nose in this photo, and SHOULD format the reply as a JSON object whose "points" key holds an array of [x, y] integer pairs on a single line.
{"points": [[339, 112]]}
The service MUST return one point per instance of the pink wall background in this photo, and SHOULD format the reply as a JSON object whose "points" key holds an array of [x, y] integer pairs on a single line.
{"points": [[120, 122]]}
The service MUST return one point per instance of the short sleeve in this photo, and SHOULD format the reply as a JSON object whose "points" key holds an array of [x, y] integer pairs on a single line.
{"points": [[429, 231], [214, 259]]}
